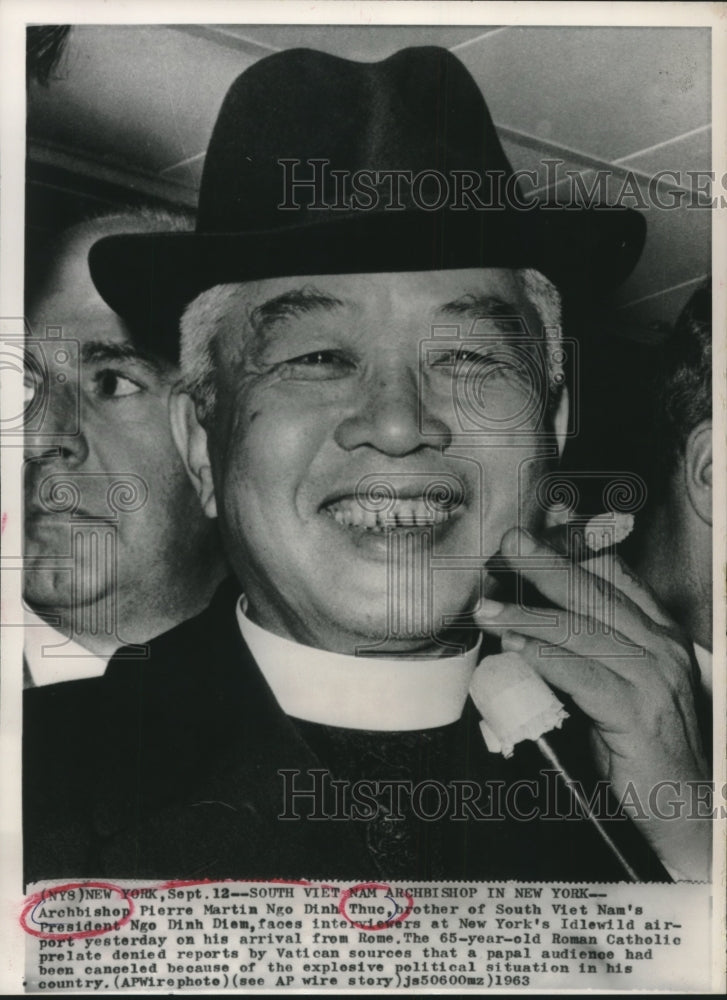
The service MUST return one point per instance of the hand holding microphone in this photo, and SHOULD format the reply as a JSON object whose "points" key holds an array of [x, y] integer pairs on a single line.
{"points": [[607, 643]]}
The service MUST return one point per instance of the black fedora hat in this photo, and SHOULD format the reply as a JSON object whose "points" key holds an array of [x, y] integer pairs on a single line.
{"points": [[321, 165]]}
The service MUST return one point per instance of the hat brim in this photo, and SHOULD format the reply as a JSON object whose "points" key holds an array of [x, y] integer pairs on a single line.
{"points": [[149, 278]]}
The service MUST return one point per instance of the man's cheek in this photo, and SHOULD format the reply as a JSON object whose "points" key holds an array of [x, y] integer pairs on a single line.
{"points": [[279, 457]]}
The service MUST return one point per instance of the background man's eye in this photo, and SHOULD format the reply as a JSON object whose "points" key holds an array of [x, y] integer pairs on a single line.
{"points": [[473, 357], [113, 385]]}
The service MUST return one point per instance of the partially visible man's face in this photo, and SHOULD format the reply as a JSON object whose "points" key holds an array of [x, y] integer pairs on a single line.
{"points": [[106, 424], [332, 385]]}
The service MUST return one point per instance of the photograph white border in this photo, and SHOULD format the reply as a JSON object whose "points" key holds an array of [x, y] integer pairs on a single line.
{"points": [[15, 15]]}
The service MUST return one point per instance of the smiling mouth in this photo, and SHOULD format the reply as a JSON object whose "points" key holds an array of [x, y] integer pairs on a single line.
{"points": [[409, 512]]}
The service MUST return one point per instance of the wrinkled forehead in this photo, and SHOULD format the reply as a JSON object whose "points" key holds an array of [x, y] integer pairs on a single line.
{"points": [[418, 301], [406, 283]]}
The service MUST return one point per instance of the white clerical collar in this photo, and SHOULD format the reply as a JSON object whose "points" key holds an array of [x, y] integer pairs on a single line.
{"points": [[704, 659], [52, 658], [356, 692]]}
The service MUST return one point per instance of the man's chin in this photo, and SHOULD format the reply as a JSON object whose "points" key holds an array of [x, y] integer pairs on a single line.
{"points": [[370, 619], [58, 591]]}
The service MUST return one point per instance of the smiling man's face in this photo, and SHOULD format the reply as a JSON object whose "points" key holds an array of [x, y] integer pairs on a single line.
{"points": [[367, 452]]}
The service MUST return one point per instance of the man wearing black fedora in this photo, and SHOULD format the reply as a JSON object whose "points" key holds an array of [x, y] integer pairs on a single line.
{"points": [[373, 394]]}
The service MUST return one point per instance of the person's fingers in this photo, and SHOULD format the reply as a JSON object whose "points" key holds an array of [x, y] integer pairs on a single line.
{"points": [[661, 662], [610, 566], [572, 541], [574, 635], [572, 586], [623, 710]]}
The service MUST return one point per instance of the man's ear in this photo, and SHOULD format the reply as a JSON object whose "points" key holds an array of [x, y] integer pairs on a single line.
{"points": [[698, 470], [190, 438], [560, 420], [555, 517]]}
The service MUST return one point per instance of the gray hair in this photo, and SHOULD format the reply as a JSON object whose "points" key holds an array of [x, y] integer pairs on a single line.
{"points": [[203, 318]]}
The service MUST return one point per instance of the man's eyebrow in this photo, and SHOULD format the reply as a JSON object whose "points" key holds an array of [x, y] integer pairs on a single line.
{"points": [[296, 302], [506, 316], [110, 351]]}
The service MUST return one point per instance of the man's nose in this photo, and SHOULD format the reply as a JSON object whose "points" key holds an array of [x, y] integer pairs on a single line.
{"points": [[393, 417], [54, 434]]}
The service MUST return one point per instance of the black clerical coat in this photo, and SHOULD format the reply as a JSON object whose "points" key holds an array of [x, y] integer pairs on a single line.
{"points": [[170, 767]]}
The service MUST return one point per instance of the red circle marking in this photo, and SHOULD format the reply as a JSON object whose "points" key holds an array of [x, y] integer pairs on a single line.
{"points": [[45, 894], [32, 902], [398, 918]]}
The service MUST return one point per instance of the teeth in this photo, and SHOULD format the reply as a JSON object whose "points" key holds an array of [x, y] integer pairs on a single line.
{"points": [[401, 513]]}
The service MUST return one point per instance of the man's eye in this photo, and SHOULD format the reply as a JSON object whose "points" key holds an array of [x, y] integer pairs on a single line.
{"points": [[113, 385], [316, 365], [471, 357], [498, 356], [490, 362], [459, 358]]}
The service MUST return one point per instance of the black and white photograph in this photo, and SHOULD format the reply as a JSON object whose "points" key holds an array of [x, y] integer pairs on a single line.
{"points": [[363, 572]]}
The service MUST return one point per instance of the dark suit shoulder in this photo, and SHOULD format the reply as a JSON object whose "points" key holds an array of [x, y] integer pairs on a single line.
{"points": [[209, 637], [94, 748]]}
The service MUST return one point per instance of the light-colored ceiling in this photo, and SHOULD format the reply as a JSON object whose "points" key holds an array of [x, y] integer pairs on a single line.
{"points": [[136, 104]]}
